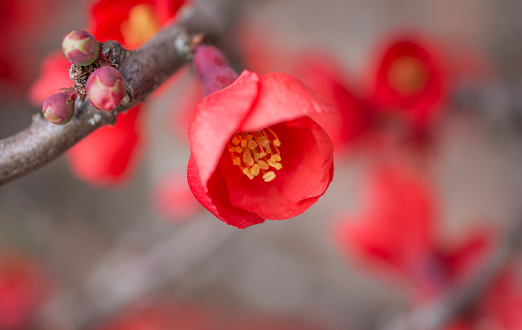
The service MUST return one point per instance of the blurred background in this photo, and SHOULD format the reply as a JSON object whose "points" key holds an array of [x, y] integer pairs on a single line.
{"points": [[140, 251]]}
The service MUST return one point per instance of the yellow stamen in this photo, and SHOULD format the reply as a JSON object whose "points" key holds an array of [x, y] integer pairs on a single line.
{"points": [[262, 165], [247, 157], [257, 152], [269, 176], [252, 144], [255, 170]]}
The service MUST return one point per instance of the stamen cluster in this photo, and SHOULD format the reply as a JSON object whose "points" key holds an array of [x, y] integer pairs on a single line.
{"points": [[255, 153]]}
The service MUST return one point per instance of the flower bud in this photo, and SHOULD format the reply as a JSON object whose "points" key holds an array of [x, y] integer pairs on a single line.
{"points": [[59, 107], [105, 88], [213, 69], [80, 47]]}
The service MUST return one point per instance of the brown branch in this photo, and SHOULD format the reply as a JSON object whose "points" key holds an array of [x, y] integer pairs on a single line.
{"points": [[144, 70]]}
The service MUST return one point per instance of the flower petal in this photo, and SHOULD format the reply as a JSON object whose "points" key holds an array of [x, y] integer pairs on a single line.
{"points": [[219, 204], [283, 97], [216, 118]]}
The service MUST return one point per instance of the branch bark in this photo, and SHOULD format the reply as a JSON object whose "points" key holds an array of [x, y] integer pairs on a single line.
{"points": [[144, 70]]}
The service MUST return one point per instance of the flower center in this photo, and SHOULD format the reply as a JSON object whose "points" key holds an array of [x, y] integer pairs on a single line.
{"points": [[407, 75], [141, 25], [255, 153]]}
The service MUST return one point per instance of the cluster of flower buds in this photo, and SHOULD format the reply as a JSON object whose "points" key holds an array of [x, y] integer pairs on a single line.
{"points": [[105, 85]]}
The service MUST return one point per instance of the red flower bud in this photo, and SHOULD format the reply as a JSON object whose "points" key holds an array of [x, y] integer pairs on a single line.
{"points": [[80, 47], [59, 107], [105, 88]]}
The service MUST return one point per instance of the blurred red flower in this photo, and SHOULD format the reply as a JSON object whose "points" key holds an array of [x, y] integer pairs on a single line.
{"points": [[234, 131], [396, 235], [410, 80], [22, 289], [21, 26], [131, 22], [107, 156], [396, 228], [53, 76]]}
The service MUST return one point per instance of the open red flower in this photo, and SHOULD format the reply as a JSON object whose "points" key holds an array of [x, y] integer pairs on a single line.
{"points": [[410, 80], [255, 153]]}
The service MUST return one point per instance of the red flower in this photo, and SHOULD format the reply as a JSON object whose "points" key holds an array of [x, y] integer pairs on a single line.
{"points": [[131, 22], [239, 133], [398, 234], [410, 80], [396, 230], [22, 289]]}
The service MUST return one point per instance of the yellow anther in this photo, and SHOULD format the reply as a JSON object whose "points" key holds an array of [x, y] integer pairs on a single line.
{"points": [[235, 140], [247, 157], [269, 176], [252, 144], [262, 164], [255, 170], [246, 172], [256, 153]]}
